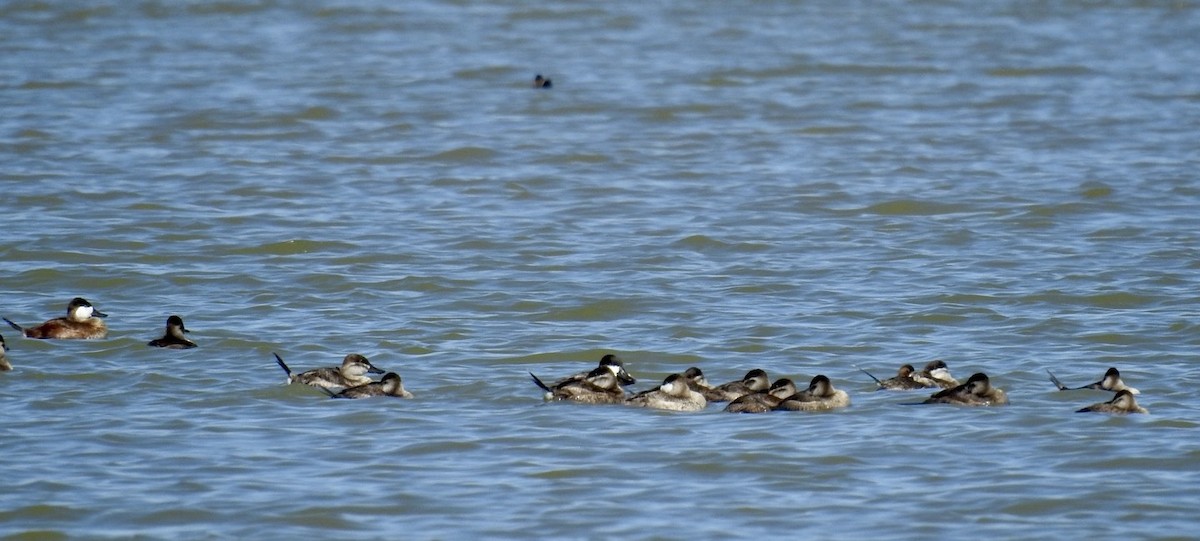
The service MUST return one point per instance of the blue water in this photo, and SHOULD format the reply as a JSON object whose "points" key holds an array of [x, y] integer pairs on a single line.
{"points": [[805, 187]]}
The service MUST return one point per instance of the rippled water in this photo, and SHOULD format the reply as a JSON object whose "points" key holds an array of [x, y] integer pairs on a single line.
{"points": [[805, 187]]}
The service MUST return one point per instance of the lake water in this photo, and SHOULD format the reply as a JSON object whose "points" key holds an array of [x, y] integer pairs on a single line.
{"points": [[804, 187]]}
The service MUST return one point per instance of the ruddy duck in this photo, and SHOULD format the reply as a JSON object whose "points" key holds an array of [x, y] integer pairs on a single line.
{"points": [[675, 394], [173, 338], [4, 364], [541, 82], [352, 373], [696, 380], [1111, 382], [819, 396], [389, 385], [935, 374], [608, 362], [902, 382], [82, 323], [1122, 403], [763, 401], [977, 391], [600, 386], [754, 381]]}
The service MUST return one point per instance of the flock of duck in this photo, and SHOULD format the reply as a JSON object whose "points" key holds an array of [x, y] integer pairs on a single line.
{"points": [[686, 391]]}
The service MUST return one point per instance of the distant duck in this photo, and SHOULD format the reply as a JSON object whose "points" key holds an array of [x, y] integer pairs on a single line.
{"points": [[902, 382], [600, 386], [173, 337], [754, 381], [696, 380], [763, 401], [389, 385], [977, 391], [935, 374], [4, 364], [609, 362], [675, 394], [82, 323], [819, 396], [541, 82], [1110, 382], [352, 373], [1120, 404]]}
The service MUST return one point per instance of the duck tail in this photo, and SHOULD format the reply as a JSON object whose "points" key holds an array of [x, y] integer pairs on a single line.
{"points": [[283, 365], [539, 383], [19, 328], [1055, 381], [877, 382]]}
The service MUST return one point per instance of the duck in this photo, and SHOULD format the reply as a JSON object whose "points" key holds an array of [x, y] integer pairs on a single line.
{"points": [[82, 323], [675, 394], [541, 82], [600, 386], [389, 385], [351, 373], [754, 381], [935, 374], [1110, 382], [903, 381], [977, 391], [819, 396], [4, 364], [696, 380], [1121, 403], [608, 362], [763, 401], [173, 337]]}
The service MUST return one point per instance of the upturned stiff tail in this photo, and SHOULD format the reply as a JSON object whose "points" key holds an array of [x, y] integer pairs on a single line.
{"points": [[539, 383], [880, 383], [1055, 381], [283, 365], [14, 325]]}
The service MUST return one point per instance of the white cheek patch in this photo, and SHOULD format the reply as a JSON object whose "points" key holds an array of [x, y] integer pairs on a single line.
{"points": [[83, 312], [940, 373], [667, 387], [616, 370]]}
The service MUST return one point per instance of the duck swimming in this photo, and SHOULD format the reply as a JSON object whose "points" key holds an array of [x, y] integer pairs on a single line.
{"points": [[1120, 404], [935, 374], [173, 337], [541, 82], [608, 362], [1110, 382], [4, 364], [902, 382], [600, 386], [763, 401], [389, 385], [819, 396], [977, 391], [754, 381], [675, 394], [351, 373], [82, 323]]}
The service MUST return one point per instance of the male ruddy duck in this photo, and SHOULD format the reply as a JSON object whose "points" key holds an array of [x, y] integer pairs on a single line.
{"points": [[4, 364], [351, 373], [675, 394], [754, 381], [763, 401], [902, 382], [600, 386], [935, 374], [1120, 404], [541, 82], [1111, 382], [173, 337], [82, 323], [819, 396], [977, 391], [389, 385], [608, 362]]}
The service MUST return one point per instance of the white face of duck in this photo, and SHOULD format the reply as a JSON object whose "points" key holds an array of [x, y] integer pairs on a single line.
{"points": [[80, 313]]}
